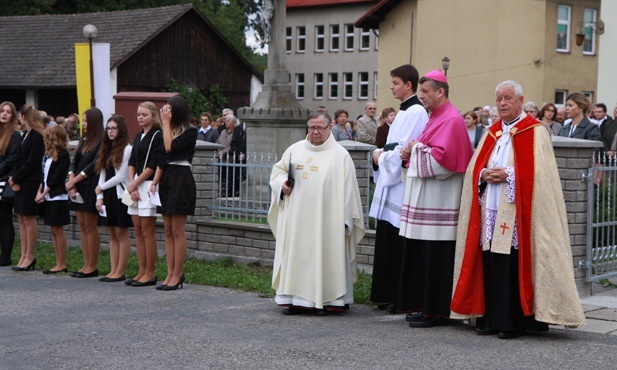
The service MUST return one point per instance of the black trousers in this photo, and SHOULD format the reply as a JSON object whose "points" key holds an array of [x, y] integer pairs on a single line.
{"points": [[386, 263], [502, 297]]}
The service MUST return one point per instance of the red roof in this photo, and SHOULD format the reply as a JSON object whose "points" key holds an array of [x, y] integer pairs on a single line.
{"points": [[376, 14], [311, 3]]}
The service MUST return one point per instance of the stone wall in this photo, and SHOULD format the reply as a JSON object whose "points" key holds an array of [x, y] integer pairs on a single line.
{"points": [[209, 238]]}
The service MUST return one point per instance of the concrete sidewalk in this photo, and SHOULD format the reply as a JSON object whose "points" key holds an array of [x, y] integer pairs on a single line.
{"points": [[601, 311], [65, 323]]}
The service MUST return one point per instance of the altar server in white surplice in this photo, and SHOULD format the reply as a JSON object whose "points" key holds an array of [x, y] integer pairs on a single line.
{"points": [[317, 223]]}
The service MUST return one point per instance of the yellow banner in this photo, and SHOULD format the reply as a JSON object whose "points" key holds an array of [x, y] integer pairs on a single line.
{"points": [[82, 77]]}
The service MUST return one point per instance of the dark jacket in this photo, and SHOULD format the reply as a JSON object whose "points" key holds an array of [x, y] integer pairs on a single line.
{"points": [[479, 132], [10, 161], [585, 130], [209, 136], [182, 148], [85, 162], [140, 151], [57, 174], [30, 157], [238, 141]]}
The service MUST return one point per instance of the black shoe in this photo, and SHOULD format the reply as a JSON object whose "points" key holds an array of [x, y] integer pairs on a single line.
{"points": [[428, 322], [175, 287], [392, 308], [161, 286], [486, 331], [103, 279], [27, 268], [147, 283], [94, 273], [47, 272], [321, 312], [291, 310], [114, 280], [510, 334], [128, 281], [383, 306], [414, 315]]}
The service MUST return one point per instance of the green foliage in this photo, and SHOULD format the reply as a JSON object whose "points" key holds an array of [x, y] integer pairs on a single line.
{"points": [[212, 101]]}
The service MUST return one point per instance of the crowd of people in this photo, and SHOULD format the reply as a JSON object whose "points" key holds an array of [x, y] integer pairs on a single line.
{"points": [[109, 182], [461, 232]]}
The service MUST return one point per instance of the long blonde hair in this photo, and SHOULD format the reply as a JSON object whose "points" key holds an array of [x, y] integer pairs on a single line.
{"points": [[6, 131], [56, 139], [33, 117]]}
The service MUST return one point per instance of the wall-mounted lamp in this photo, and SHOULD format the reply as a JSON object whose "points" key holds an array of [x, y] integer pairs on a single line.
{"points": [[596, 27], [445, 64]]}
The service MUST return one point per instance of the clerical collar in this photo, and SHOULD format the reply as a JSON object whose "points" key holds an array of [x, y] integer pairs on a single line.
{"points": [[513, 121], [204, 130], [408, 102]]}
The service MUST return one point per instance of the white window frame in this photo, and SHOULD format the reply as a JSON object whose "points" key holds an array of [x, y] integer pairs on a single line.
{"points": [[300, 86], [320, 37], [365, 35], [564, 94], [347, 85], [376, 41], [363, 84], [300, 39], [349, 36], [589, 15], [288, 40], [589, 95], [318, 83], [375, 86], [335, 35], [567, 23], [333, 83]]}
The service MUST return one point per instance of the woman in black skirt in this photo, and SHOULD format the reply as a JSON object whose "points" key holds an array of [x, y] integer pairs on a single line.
{"points": [[25, 182], [176, 185], [113, 163], [83, 181], [10, 141], [52, 196]]}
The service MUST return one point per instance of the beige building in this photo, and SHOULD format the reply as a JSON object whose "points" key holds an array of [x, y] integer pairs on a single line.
{"points": [[607, 73], [331, 62], [489, 41]]}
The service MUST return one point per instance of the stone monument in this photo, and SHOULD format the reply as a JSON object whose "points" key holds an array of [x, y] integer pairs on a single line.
{"points": [[276, 119]]}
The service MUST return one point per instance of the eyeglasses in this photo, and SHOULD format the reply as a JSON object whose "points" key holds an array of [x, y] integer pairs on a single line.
{"points": [[108, 128], [318, 128]]}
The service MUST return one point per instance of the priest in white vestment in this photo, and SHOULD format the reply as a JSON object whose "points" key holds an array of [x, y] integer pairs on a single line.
{"points": [[317, 222]]}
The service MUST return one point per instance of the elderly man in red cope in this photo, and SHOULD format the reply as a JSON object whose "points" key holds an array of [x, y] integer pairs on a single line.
{"points": [[513, 268]]}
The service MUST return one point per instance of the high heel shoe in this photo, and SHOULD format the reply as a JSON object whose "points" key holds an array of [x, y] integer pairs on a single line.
{"points": [[27, 268], [147, 283], [161, 286], [174, 287], [47, 272]]}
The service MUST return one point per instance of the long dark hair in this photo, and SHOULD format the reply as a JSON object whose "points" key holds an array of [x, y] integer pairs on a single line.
{"points": [[6, 131], [94, 132], [180, 115], [112, 151]]}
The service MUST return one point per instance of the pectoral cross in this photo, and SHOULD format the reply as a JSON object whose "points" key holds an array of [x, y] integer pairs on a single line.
{"points": [[504, 227], [307, 168]]}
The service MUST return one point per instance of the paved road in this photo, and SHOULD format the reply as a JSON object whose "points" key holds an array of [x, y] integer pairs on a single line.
{"points": [[58, 322]]}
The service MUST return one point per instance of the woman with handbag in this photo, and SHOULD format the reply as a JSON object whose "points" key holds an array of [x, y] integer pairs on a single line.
{"points": [[112, 164], [25, 182], [52, 196], [176, 186], [142, 164], [10, 141], [81, 185]]}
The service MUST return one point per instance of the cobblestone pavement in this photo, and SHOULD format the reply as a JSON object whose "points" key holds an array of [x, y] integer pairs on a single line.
{"points": [[59, 322]]}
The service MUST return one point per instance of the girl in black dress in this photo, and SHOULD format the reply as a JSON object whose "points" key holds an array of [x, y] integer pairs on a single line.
{"points": [[52, 196], [113, 165], [10, 141], [143, 162], [25, 182], [176, 188], [83, 180]]}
